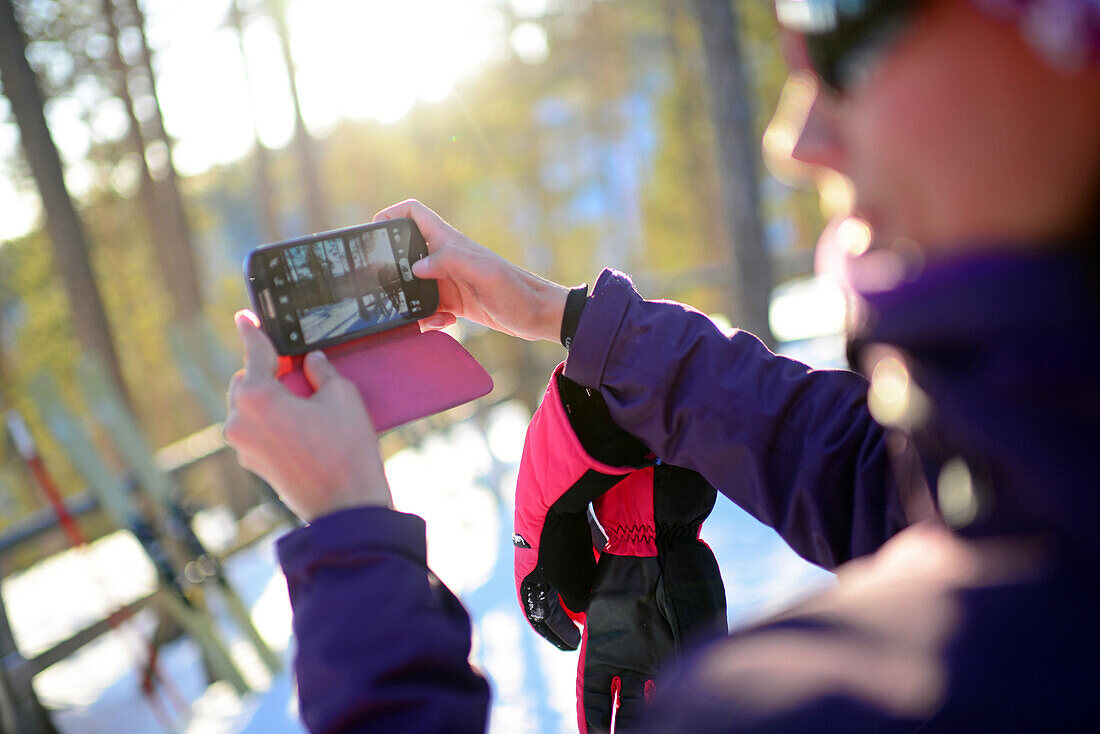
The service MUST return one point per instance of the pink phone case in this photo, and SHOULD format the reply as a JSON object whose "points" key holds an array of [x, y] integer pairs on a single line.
{"points": [[401, 374]]}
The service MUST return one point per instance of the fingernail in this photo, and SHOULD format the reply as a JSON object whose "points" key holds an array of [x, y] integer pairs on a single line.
{"points": [[318, 358], [419, 266], [434, 323]]}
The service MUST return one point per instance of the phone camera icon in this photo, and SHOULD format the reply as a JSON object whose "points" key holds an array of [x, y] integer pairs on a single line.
{"points": [[293, 336]]}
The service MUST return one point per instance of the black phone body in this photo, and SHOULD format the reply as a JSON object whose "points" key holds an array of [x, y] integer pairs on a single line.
{"points": [[316, 291]]}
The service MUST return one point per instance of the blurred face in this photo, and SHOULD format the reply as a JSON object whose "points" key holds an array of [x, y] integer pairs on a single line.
{"points": [[959, 133]]}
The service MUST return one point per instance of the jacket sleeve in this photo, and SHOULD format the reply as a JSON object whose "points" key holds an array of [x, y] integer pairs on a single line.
{"points": [[795, 447], [382, 645]]}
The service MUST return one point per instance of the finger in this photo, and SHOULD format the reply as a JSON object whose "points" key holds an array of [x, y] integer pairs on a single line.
{"points": [[410, 208], [233, 382], [246, 461], [451, 262], [431, 225], [428, 268], [260, 359], [319, 370], [232, 432], [438, 320]]}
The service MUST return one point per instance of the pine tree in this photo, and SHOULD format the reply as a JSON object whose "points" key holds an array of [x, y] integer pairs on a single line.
{"points": [[67, 235]]}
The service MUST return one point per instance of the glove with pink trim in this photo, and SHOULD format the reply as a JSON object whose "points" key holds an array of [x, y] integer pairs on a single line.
{"points": [[608, 555]]}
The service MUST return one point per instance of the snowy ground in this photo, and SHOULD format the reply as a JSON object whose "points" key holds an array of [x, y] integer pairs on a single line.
{"points": [[461, 482]]}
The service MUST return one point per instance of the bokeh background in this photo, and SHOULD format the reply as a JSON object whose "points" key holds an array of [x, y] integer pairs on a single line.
{"points": [[148, 145]]}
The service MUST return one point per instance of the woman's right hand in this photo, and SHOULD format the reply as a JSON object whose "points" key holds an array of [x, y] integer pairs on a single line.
{"points": [[478, 284]]}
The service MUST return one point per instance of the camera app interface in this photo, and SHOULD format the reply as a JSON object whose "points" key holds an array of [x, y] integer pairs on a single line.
{"points": [[338, 286]]}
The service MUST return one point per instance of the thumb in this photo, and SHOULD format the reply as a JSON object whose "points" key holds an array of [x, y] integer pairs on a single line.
{"points": [[426, 267], [319, 370]]}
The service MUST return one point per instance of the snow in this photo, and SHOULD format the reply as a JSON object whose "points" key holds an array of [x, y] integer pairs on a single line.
{"points": [[325, 322], [461, 481]]}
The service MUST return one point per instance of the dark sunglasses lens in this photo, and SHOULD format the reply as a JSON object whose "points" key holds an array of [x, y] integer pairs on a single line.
{"points": [[841, 34], [822, 61]]}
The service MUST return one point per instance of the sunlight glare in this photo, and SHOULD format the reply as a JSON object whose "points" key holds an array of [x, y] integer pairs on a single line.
{"points": [[853, 236], [272, 105], [355, 60], [955, 490], [205, 101], [375, 60], [530, 8], [19, 209], [530, 44]]}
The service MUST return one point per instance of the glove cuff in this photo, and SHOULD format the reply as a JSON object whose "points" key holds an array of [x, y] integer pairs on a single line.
{"points": [[554, 559]]}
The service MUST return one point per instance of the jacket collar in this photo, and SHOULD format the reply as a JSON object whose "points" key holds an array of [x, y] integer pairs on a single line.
{"points": [[1004, 347]]}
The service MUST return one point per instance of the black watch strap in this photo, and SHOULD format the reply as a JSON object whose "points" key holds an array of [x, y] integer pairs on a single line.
{"points": [[574, 305]]}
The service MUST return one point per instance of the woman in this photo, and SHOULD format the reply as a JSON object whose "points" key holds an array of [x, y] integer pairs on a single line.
{"points": [[955, 493]]}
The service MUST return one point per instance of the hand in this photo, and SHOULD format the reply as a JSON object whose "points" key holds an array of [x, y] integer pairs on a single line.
{"points": [[480, 285], [321, 454]]}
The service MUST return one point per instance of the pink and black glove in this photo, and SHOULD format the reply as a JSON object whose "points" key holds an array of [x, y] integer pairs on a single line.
{"points": [[607, 539]]}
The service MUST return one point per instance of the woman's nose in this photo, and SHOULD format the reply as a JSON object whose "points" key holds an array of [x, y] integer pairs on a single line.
{"points": [[802, 137], [818, 143]]}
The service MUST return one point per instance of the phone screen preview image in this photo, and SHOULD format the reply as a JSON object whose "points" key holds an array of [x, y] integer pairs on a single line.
{"points": [[339, 285]]}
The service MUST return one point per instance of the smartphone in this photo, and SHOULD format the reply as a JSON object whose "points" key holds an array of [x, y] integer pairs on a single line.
{"points": [[324, 289]]}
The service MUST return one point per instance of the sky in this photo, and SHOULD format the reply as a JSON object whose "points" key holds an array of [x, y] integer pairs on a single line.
{"points": [[356, 59]]}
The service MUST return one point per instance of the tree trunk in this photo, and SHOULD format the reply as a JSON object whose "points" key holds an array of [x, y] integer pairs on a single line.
{"points": [[698, 152], [265, 194], [163, 236], [738, 161], [70, 245], [178, 246], [305, 147], [5, 368], [265, 187]]}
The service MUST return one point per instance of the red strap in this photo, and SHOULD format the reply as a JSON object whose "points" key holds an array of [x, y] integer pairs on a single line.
{"points": [[616, 689], [46, 483]]}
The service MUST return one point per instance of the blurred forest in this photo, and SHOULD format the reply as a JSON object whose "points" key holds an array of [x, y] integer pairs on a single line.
{"points": [[585, 139]]}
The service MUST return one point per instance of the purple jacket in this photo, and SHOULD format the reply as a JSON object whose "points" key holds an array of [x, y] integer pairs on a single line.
{"points": [[990, 627]]}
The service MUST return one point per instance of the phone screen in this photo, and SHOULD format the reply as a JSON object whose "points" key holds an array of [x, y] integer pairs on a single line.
{"points": [[339, 285]]}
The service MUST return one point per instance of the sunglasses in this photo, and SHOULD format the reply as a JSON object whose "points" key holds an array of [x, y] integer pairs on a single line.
{"points": [[843, 37]]}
